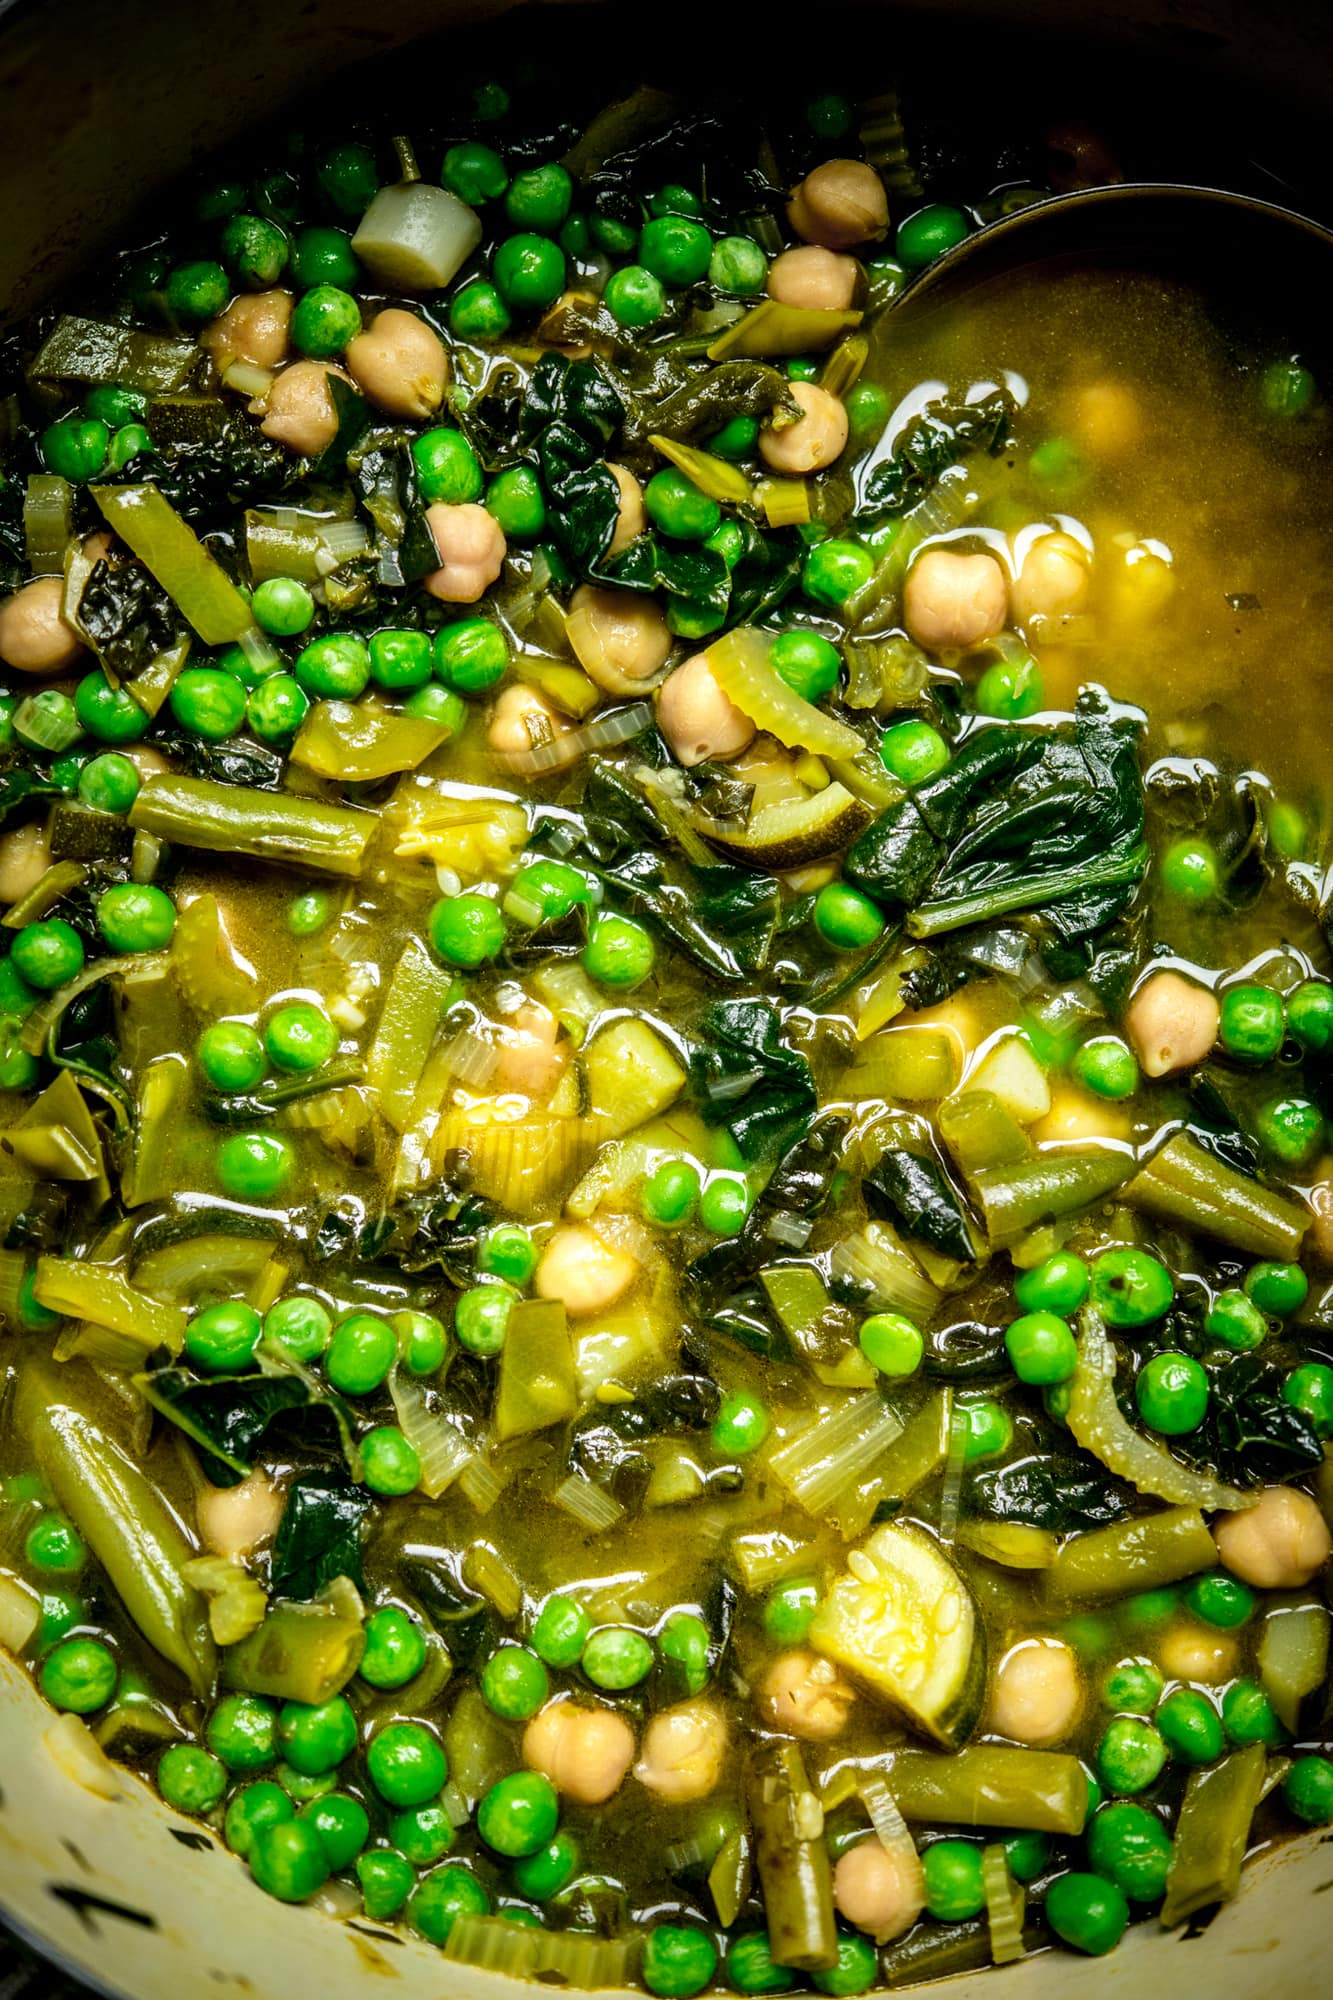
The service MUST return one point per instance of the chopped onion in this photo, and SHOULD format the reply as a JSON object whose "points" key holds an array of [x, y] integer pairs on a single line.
{"points": [[823, 1460], [470, 1059], [480, 1484], [873, 1256], [246, 379], [1096, 1421], [588, 1503], [261, 655], [342, 541], [82, 1759], [617, 726], [445, 1453], [794, 1230], [20, 1613]]}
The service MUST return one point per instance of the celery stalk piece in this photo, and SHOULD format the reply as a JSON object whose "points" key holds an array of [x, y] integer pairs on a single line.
{"points": [[20, 1612], [1184, 1184], [57, 1138], [537, 1386], [301, 1652], [81, 1290], [1293, 1654], [125, 1521], [90, 350], [1212, 1833], [53, 883], [990, 1784], [1006, 1901], [921, 1450], [207, 970], [237, 1604], [792, 1857], [48, 520], [269, 826], [1139, 1554], [1011, 1544], [764, 1556], [202, 591], [417, 996], [731, 1875], [844, 365], [151, 686], [570, 1959], [740, 664], [356, 742], [818, 1464], [415, 238], [771, 328], [905, 1065]]}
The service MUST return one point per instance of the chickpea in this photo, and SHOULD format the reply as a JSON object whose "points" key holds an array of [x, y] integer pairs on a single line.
{"points": [[254, 328], [698, 720], [1192, 1652], [588, 1273], [631, 519], [814, 441], [472, 550], [521, 719], [532, 1058], [298, 409], [1105, 418], [683, 1751], [147, 761], [1278, 1544], [233, 1520], [25, 856], [585, 1752], [400, 363], [816, 279], [1037, 1696], [620, 638], [804, 1695], [1053, 581], [841, 203], [1172, 1023], [1074, 1115], [878, 1891], [954, 600], [34, 638]]}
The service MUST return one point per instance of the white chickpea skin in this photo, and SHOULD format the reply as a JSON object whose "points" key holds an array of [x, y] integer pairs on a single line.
{"points": [[841, 203], [816, 279], [815, 440], [631, 516], [34, 638], [532, 1058], [472, 550], [1281, 1543], [805, 1695], [1105, 418], [298, 410], [584, 1270], [1053, 582], [233, 1520], [254, 328], [25, 856], [520, 721], [1172, 1023], [619, 637], [683, 1751], [585, 1752], [1192, 1652], [1320, 1201], [880, 1892], [953, 601], [1038, 1696], [698, 720], [400, 364]]}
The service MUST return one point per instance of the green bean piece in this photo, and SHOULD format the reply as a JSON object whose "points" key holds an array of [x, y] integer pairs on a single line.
{"points": [[1212, 1834], [409, 1018], [792, 1858], [1043, 1791], [1184, 1184], [1140, 1554], [301, 1652], [125, 1522], [1016, 1198], [269, 826]]}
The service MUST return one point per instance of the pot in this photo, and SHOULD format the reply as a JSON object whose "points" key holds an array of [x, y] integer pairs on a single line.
{"points": [[106, 100]]}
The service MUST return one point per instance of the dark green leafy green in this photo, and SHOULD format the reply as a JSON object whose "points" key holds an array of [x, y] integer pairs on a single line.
{"points": [[747, 1078], [229, 1417], [386, 481], [127, 616], [319, 1535], [944, 434], [916, 1194], [1057, 1490]]}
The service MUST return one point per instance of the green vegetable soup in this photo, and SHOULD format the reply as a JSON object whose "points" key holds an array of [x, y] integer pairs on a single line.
{"points": [[666, 1203]]}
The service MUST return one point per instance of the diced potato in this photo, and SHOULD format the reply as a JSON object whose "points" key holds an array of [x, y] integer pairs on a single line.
{"points": [[1010, 1071]]}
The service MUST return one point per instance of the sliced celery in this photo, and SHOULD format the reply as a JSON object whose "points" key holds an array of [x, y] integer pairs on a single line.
{"points": [[415, 238], [202, 591], [301, 1652], [358, 742], [417, 996], [740, 664], [1293, 1654], [1212, 1834], [80, 1290], [713, 476], [536, 1387], [48, 522]]}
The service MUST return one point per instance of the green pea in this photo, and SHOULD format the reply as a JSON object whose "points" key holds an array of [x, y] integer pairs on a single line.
{"points": [[360, 1354], [1308, 1790], [1310, 1015], [243, 1732], [741, 1424], [613, 234], [254, 1166], [197, 291], [670, 1194], [1309, 1389], [1105, 1066], [1190, 873], [250, 1811], [928, 234], [912, 751], [514, 1683], [438, 705], [676, 249], [868, 410], [845, 918], [324, 256], [447, 467], [1130, 1756], [856, 1970], [1171, 1391], [519, 1814], [1220, 1599], [529, 271], [472, 655], [1010, 689], [1291, 1129], [474, 172], [79, 1675], [422, 1342], [548, 1871], [256, 250], [481, 1318], [634, 297], [466, 930], [478, 312], [442, 1897], [110, 714], [109, 783], [686, 1643], [1058, 1285], [389, 1462], [54, 1546], [1190, 1726], [1130, 1846], [1130, 1288], [675, 505], [276, 709], [507, 1251], [317, 1737], [1287, 388], [616, 1657], [1028, 1855], [1235, 1321], [892, 1344], [300, 1037], [136, 916], [514, 498], [1248, 1716], [336, 665], [282, 606], [395, 1648], [561, 1632], [221, 1339], [190, 1779], [789, 1610], [1087, 1913], [231, 1055], [538, 198], [400, 659], [619, 952], [47, 954], [954, 1890], [736, 439], [424, 1834], [406, 1764], [61, 1611], [208, 702], [1133, 1687], [288, 1861], [115, 405], [835, 570], [987, 1429], [75, 448], [298, 1326], [724, 1205], [342, 1825], [1041, 1348], [347, 178], [737, 265], [48, 722], [1277, 1288], [386, 1879], [1252, 1023]]}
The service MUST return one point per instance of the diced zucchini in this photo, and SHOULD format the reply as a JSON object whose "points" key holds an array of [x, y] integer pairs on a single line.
{"points": [[632, 1075], [903, 1621]]}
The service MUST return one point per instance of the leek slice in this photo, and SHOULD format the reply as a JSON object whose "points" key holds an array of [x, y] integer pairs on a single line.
{"points": [[740, 665], [416, 238]]}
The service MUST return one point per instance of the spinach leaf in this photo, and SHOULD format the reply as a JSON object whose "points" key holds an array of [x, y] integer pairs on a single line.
{"points": [[18, 784], [1057, 1490], [749, 1079], [1251, 1433], [943, 434], [386, 480], [570, 414], [699, 574], [319, 1535], [229, 1416], [238, 762], [127, 616], [721, 917], [915, 1194]]}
